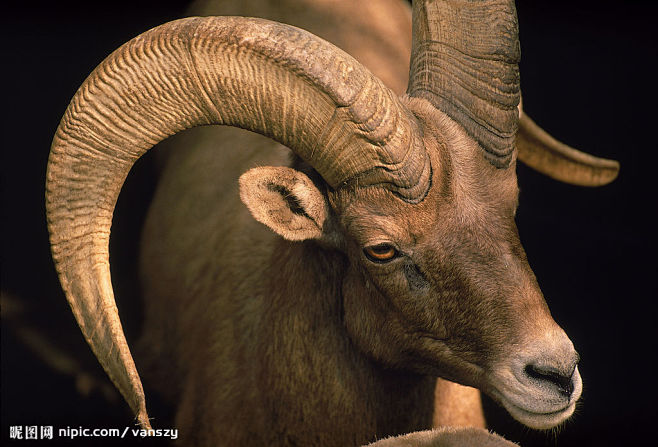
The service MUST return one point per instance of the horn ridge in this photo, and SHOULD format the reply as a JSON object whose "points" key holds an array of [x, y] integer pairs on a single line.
{"points": [[464, 61]]}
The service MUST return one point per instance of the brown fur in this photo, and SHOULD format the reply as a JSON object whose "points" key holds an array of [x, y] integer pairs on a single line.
{"points": [[165, 225], [446, 437], [457, 406], [261, 340], [293, 368]]}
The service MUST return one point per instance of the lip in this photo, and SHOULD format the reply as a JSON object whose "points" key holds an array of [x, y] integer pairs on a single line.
{"points": [[538, 420]]}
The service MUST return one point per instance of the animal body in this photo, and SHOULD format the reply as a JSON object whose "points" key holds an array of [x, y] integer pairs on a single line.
{"points": [[388, 255]]}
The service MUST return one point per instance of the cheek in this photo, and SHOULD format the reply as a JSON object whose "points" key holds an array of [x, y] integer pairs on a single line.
{"points": [[405, 295], [363, 310], [371, 321], [474, 322], [442, 306]]}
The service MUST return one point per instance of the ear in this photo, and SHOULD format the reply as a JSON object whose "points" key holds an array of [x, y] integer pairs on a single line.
{"points": [[285, 200]]}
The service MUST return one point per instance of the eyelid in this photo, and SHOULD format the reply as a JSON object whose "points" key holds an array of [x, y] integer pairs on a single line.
{"points": [[376, 242]]}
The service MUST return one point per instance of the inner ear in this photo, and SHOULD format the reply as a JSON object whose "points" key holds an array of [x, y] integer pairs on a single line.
{"points": [[285, 200]]}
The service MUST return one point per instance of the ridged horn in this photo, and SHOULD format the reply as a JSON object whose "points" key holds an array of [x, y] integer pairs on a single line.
{"points": [[545, 154], [263, 76], [464, 60]]}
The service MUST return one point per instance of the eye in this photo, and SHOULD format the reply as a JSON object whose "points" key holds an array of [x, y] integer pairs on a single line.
{"points": [[381, 253]]}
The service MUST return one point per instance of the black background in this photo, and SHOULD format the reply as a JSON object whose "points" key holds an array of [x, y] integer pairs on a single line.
{"points": [[588, 77]]}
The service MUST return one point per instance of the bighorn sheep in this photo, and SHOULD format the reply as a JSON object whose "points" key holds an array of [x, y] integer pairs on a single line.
{"points": [[398, 259]]}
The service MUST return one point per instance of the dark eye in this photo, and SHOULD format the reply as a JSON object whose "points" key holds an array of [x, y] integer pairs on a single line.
{"points": [[381, 253]]}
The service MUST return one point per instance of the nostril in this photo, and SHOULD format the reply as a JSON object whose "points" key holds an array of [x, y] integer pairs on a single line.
{"points": [[563, 382]]}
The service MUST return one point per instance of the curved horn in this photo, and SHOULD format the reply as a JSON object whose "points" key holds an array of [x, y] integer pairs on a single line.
{"points": [[545, 154], [259, 75], [464, 60]]}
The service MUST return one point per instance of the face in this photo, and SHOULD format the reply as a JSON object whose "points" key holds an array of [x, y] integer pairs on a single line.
{"points": [[444, 288]]}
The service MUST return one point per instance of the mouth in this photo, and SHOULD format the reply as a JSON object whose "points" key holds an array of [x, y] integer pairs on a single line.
{"points": [[538, 420], [536, 405]]}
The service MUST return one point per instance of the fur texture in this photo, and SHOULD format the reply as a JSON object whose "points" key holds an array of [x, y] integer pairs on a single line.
{"points": [[446, 437], [399, 263]]}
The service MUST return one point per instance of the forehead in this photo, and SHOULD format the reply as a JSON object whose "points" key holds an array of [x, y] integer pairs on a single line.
{"points": [[467, 192]]}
